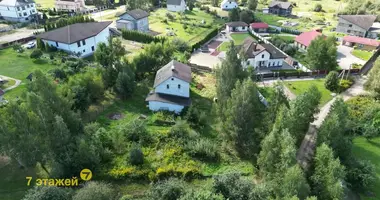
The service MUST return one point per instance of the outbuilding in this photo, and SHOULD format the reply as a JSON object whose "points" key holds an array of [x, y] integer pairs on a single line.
{"points": [[361, 43], [236, 27]]}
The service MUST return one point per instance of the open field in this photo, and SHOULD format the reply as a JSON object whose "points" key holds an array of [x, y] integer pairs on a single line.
{"points": [[193, 32], [300, 87], [369, 150], [364, 55]]}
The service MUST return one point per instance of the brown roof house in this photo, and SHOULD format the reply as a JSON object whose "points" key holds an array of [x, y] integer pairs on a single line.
{"points": [[261, 55], [171, 88], [80, 39], [280, 8], [236, 27], [356, 25]]}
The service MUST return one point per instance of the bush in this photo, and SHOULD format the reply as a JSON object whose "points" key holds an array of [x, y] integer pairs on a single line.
{"points": [[232, 187], [201, 195], [332, 81], [36, 54], [212, 34], [136, 156], [140, 37], [196, 117], [203, 149], [181, 130], [136, 131], [360, 175], [47, 193], [317, 8], [344, 85], [96, 191], [170, 16], [171, 189]]}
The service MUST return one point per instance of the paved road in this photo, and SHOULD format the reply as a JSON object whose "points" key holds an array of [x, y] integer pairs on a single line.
{"points": [[345, 58], [18, 82], [306, 150]]}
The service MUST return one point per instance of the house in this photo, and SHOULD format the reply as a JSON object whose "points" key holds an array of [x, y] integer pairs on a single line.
{"points": [[280, 8], [171, 88], [133, 20], [18, 10], [361, 43], [80, 38], [303, 40], [176, 5], [374, 31], [236, 27], [259, 27], [261, 55], [228, 4], [70, 5], [356, 25], [1, 95]]}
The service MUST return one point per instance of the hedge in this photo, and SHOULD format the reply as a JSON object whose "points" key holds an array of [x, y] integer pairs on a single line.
{"points": [[141, 37], [204, 40]]}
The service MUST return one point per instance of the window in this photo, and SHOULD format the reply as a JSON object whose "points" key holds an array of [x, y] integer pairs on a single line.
{"points": [[348, 31], [23, 7], [19, 15], [32, 5], [350, 25], [27, 6], [83, 42], [167, 86], [56, 44], [93, 48], [179, 86], [172, 79], [18, 8], [84, 50], [78, 43], [25, 13], [262, 56]]}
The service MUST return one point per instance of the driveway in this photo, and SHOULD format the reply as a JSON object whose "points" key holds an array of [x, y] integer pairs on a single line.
{"points": [[205, 59], [345, 58]]}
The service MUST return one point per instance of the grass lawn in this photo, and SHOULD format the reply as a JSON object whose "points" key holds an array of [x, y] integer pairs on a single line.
{"points": [[300, 87], [286, 38], [20, 66], [8, 84], [369, 150], [45, 3], [193, 32], [364, 55], [238, 40]]}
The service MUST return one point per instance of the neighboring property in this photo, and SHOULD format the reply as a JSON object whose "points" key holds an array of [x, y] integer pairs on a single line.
{"points": [[236, 27], [70, 5], [176, 5], [374, 31], [80, 38], [171, 88], [259, 27], [228, 4], [133, 20], [18, 10], [303, 40], [1, 95], [280, 8], [361, 43], [261, 55], [356, 25]]}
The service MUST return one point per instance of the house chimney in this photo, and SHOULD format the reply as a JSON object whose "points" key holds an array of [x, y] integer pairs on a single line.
{"points": [[173, 68], [254, 45]]}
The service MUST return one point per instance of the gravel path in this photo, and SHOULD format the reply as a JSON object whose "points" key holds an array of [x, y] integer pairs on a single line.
{"points": [[18, 82]]}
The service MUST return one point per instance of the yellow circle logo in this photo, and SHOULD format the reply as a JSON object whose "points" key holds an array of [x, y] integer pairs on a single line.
{"points": [[86, 174]]}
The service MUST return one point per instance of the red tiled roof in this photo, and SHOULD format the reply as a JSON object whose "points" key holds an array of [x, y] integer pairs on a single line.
{"points": [[259, 25], [360, 40], [306, 37]]}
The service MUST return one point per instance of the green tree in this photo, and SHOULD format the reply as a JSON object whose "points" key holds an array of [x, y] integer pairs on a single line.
{"points": [[318, 7], [246, 16], [136, 156], [360, 175], [332, 81], [201, 194], [252, 4], [244, 112], [40, 44], [18, 48], [125, 83], [278, 100], [48, 193], [226, 76], [231, 186], [293, 183], [327, 179], [373, 83], [36, 54], [96, 191], [234, 15], [322, 54], [107, 54]]}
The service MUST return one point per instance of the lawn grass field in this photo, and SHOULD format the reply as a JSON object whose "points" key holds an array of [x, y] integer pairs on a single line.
{"points": [[192, 32], [10, 83], [20, 66], [369, 150], [238, 40], [364, 55], [45, 3], [300, 87], [286, 38]]}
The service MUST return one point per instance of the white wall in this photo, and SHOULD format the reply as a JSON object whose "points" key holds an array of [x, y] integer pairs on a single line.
{"points": [[254, 62], [124, 25], [86, 50], [18, 13], [344, 27], [143, 24], [175, 8], [157, 106], [228, 5], [173, 83], [237, 29]]}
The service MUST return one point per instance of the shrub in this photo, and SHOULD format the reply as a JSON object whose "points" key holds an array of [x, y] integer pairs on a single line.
{"points": [[136, 156], [181, 130], [196, 117], [171, 189], [188, 171], [135, 131], [36, 54], [96, 191], [232, 187], [332, 81], [170, 16], [46, 193], [212, 34], [317, 8], [140, 37], [130, 173], [344, 85], [201, 195], [203, 149], [360, 175]]}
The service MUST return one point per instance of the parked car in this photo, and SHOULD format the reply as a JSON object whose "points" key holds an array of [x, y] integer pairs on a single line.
{"points": [[30, 45]]}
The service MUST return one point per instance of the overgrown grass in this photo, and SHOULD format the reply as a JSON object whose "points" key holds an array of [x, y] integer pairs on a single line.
{"points": [[10, 83], [364, 55], [369, 150], [300, 87]]}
